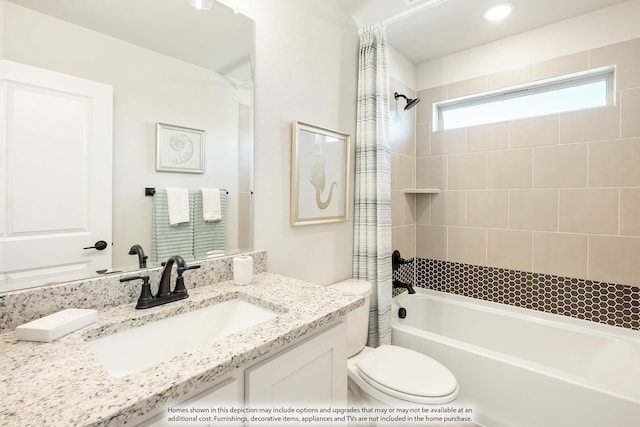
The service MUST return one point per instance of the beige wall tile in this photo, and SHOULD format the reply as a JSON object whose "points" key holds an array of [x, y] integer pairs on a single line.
{"points": [[467, 87], [561, 66], [535, 210], [592, 211], [630, 211], [410, 209], [402, 136], [488, 208], [431, 172], [508, 78], [452, 141], [423, 140], [560, 254], [614, 163], [466, 171], [510, 249], [424, 110], [403, 239], [509, 169], [397, 208], [431, 242], [560, 166], [614, 259], [625, 56], [449, 208], [534, 132], [402, 169], [394, 170], [595, 124], [630, 112], [467, 245], [488, 137], [423, 209]]}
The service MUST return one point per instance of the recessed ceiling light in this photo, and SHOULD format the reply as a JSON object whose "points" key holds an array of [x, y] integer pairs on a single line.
{"points": [[499, 12], [201, 4]]}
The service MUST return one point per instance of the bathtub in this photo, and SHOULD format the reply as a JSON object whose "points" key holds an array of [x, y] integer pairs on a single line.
{"points": [[523, 368]]}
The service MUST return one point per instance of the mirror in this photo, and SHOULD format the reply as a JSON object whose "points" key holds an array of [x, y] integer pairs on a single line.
{"points": [[167, 63]]}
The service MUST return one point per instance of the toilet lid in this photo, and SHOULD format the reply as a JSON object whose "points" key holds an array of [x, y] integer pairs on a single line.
{"points": [[353, 286], [403, 371]]}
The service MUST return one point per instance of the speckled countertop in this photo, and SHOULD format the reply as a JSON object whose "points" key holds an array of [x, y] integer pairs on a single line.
{"points": [[62, 383]]}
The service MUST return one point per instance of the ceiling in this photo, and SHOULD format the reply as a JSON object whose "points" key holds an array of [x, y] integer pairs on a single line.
{"points": [[216, 39], [442, 27], [221, 41]]}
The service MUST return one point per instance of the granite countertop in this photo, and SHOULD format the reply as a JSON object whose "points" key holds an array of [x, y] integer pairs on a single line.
{"points": [[63, 382]]}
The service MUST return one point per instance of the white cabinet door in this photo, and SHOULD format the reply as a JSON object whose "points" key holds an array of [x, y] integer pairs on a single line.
{"points": [[55, 185], [225, 394], [312, 373]]}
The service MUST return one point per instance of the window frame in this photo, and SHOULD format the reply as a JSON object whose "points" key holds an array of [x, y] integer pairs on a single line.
{"points": [[606, 74]]}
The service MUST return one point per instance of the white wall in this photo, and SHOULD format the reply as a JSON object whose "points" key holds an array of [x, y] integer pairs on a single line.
{"points": [[306, 70], [401, 69], [148, 88], [2, 20], [596, 29]]}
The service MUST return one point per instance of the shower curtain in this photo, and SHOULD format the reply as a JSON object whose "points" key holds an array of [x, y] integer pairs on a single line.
{"points": [[372, 214]]}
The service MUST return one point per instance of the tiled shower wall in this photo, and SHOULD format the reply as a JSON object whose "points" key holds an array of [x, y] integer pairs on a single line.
{"points": [[558, 196], [403, 170]]}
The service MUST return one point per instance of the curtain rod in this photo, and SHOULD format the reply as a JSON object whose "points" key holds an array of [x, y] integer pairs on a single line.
{"points": [[405, 14]]}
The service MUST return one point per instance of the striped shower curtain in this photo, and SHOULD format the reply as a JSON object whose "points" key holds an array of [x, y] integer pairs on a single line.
{"points": [[372, 214]]}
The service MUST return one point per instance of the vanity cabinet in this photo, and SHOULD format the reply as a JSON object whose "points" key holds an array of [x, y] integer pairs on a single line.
{"points": [[228, 393], [310, 372]]}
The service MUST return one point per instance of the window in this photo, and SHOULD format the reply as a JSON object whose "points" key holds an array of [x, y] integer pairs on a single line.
{"points": [[590, 89]]}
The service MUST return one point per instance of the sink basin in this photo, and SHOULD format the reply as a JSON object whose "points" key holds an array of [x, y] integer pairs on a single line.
{"points": [[133, 350]]}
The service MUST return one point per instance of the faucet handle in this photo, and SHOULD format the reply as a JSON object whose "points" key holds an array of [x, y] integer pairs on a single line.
{"points": [[185, 268], [130, 278], [397, 260], [145, 294], [180, 288]]}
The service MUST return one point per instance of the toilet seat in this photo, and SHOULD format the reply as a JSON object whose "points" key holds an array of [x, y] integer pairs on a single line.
{"points": [[408, 375]]}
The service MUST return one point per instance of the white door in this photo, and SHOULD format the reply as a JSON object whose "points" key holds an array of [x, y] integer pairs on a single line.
{"points": [[55, 184]]}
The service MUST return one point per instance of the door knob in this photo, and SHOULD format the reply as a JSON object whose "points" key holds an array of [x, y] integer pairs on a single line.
{"points": [[100, 245]]}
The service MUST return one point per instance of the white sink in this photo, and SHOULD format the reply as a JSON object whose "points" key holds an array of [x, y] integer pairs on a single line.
{"points": [[133, 350]]}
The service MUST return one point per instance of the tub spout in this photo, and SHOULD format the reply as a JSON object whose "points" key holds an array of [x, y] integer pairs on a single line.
{"points": [[408, 287]]}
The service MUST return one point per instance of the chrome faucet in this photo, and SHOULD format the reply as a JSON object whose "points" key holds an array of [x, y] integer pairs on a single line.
{"points": [[142, 258], [165, 294]]}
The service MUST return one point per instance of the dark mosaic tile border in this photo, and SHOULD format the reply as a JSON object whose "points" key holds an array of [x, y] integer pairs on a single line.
{"points": [[611, 304]]}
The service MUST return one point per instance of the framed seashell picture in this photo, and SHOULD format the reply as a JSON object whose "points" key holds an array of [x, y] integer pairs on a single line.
{"points": [[319, 175], [179, 149]]}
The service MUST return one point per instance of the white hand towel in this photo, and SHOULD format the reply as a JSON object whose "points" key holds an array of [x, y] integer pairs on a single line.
{"points": [[211, 210], [178, 205]]}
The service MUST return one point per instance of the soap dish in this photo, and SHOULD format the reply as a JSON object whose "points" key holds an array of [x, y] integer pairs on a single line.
{"points": [[56, 325]]}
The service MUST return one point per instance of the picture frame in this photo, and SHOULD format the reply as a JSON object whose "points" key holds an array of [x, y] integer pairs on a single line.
{"points": [[320, 161], [179, 149]]}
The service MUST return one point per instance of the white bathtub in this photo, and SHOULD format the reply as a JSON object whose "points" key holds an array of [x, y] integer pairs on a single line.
{"points": [[523, 368]]}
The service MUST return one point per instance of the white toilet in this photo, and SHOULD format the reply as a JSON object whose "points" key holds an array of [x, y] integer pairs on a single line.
{"points": [[390, 375]]}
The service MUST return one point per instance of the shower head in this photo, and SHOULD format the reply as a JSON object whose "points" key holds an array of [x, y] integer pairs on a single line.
{"points": [[410, 102]]}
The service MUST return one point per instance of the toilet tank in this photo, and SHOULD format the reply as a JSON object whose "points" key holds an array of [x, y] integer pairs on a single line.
{"points": [[358, 319]]}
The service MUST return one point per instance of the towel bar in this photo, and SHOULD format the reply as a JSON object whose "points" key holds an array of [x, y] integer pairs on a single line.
{"points": [[150, 191]]}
